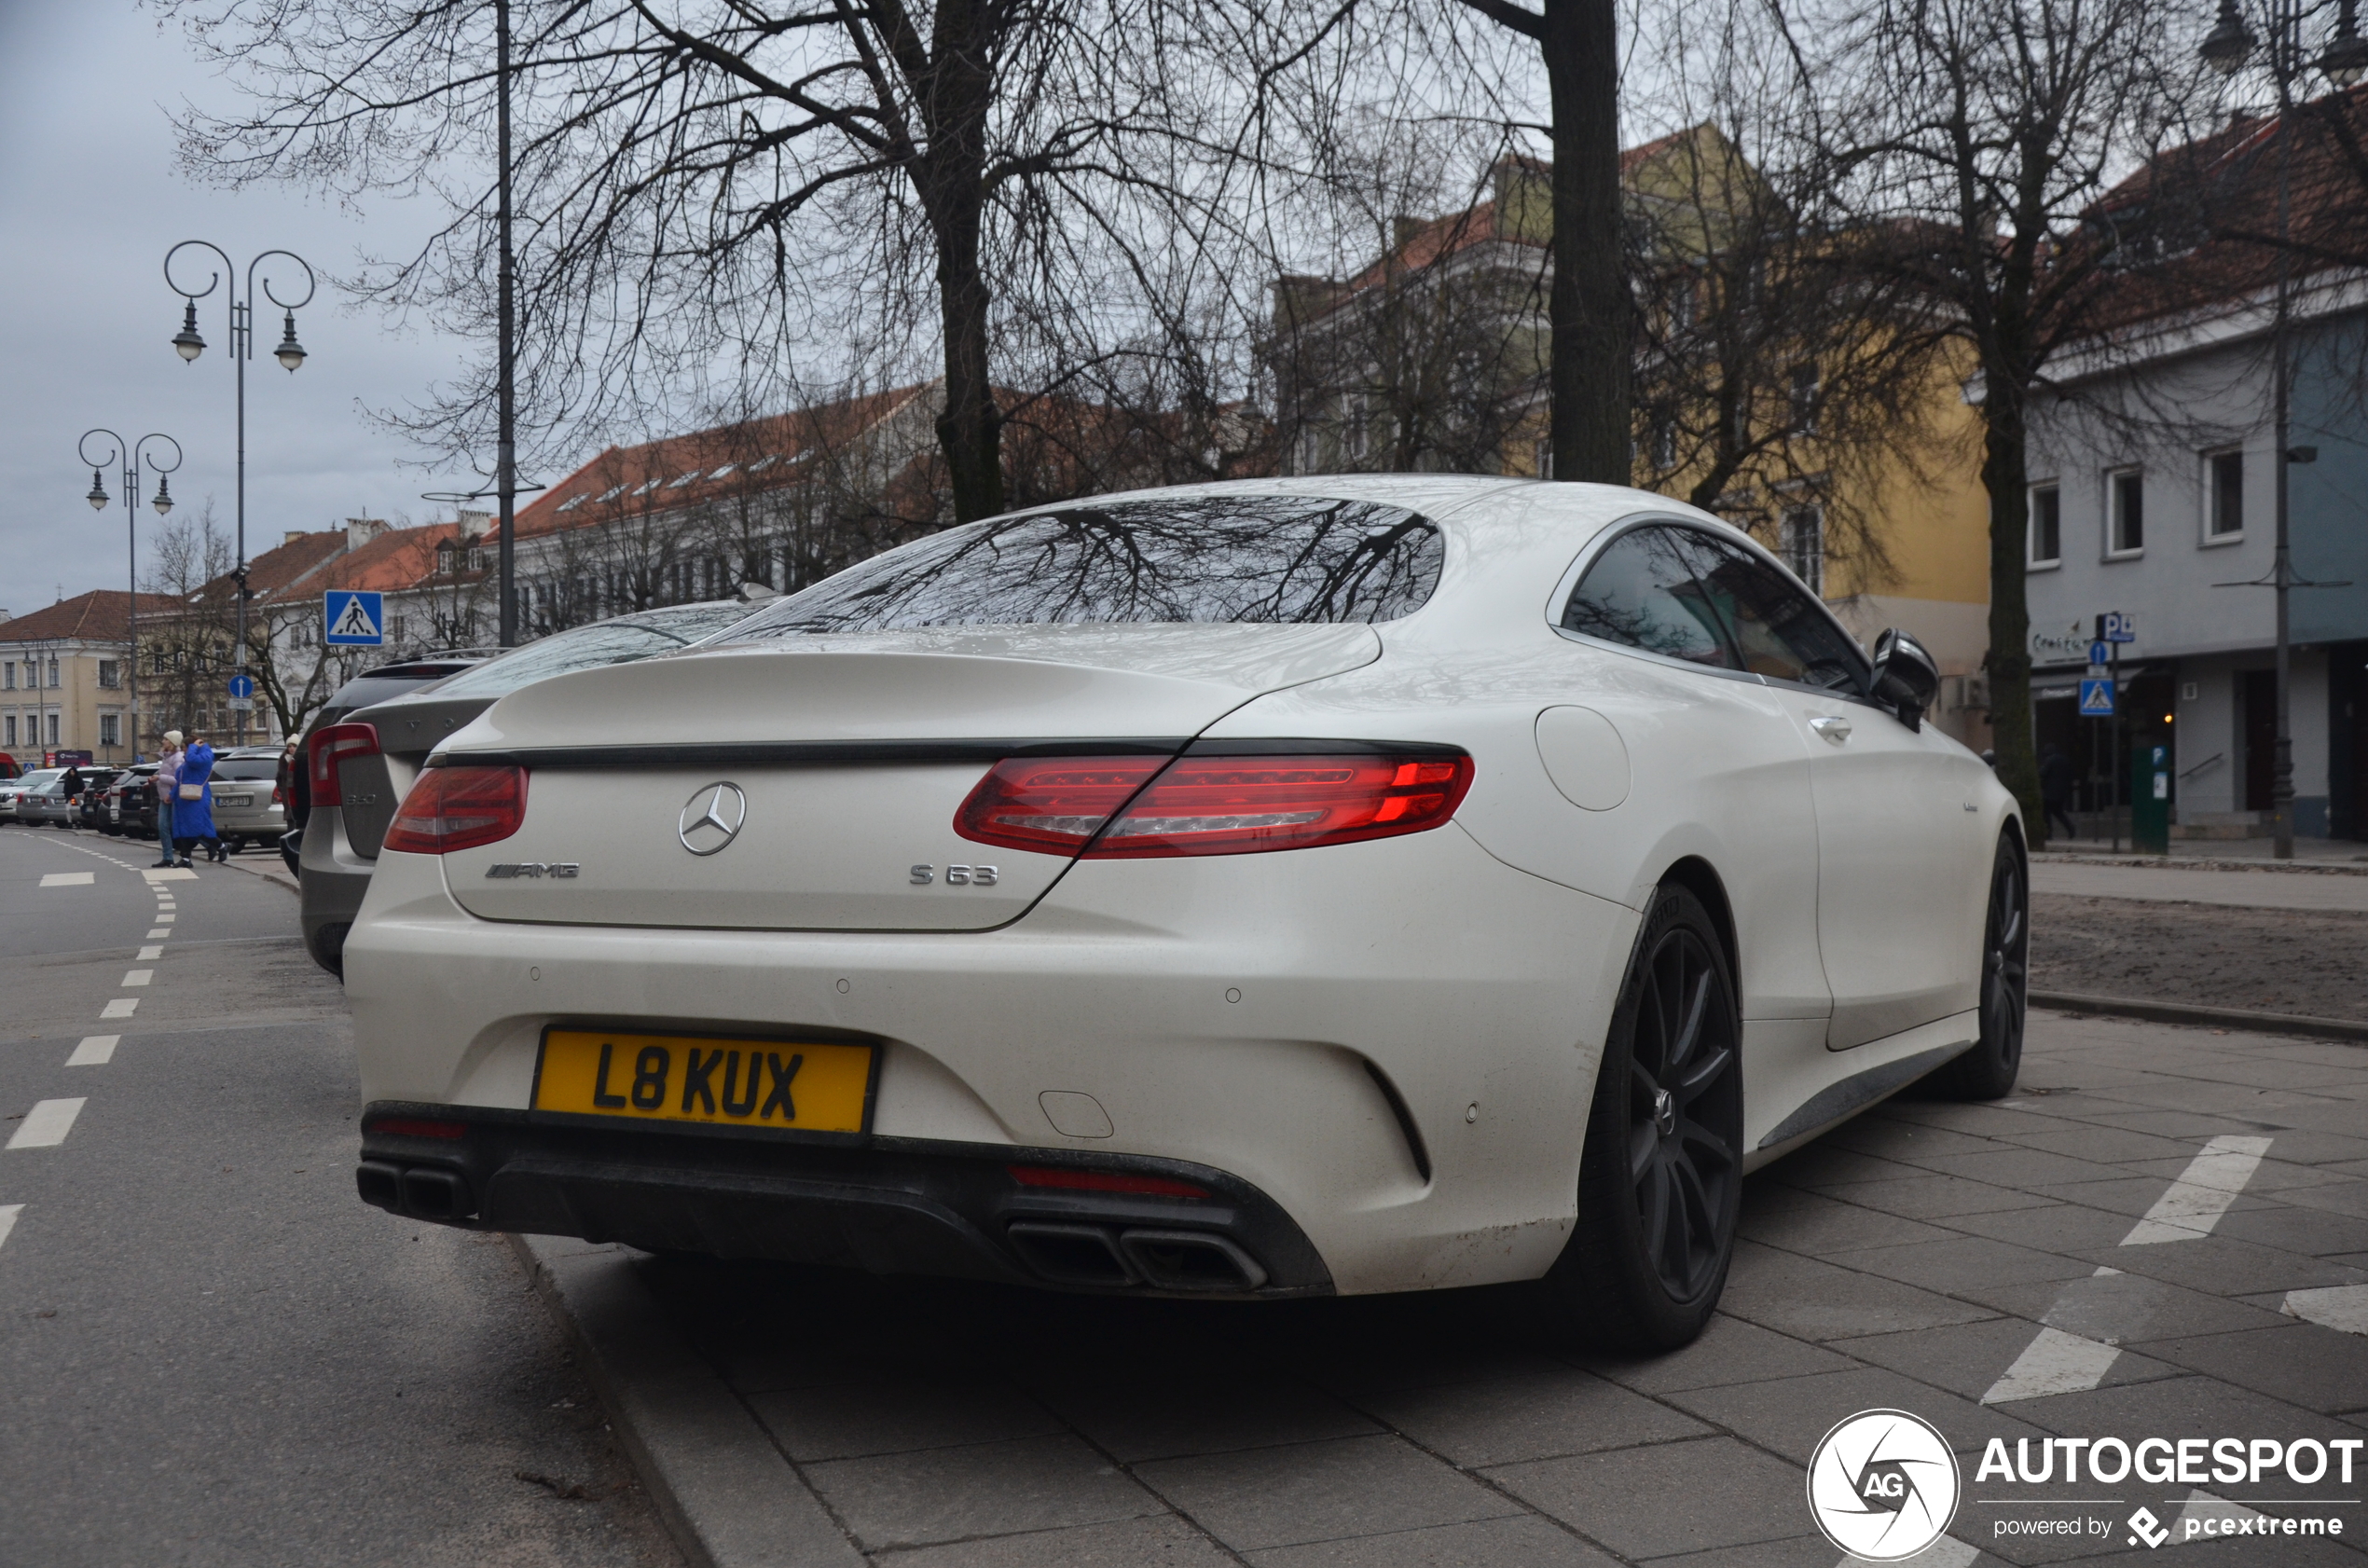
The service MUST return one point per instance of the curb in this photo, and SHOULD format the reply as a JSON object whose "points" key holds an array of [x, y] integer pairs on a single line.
{"points": [[2199, 862], [2222, 1017], [726, 1493], [274, 873]]}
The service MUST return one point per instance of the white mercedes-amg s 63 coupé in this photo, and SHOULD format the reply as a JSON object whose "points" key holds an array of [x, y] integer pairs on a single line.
{"points": [[1261, 889]]}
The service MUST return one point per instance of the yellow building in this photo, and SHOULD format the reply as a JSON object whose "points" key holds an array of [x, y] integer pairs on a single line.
{"points": [[63, 677]]}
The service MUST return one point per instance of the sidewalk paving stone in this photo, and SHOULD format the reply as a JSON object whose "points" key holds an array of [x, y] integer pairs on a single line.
{"points": [[1966, 1358], [1800, 1220], [1729, 1350], [1163, 1539], [1787, 1416], [1532, 1418], [2300, 1363], [1154, 1413], [1960, 1262], [1321, 1492], [853, 1421], [1815, 1300], [985, 1489], [1521, 1541], [1675, 1497], [1933, 1197]]}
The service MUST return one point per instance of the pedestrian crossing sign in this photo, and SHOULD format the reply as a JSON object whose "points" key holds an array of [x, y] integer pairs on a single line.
{"points": [[352, 619], [2096, 699]]}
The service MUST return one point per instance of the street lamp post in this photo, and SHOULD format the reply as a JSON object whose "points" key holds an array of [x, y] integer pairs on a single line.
{"points": [[2226, 48], [134, 455], [290, 353]]}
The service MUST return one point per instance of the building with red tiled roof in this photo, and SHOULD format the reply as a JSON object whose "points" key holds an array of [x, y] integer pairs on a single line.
{"points": [[61, 676]]}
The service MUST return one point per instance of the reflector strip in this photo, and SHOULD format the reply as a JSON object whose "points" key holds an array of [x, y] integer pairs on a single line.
{"points": [[1104, 1181]]}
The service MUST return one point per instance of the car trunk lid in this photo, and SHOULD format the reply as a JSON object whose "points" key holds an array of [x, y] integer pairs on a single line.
{"points": [[842, 762]]}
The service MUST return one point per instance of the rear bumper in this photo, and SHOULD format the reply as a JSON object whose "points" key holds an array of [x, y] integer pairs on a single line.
{"points": [[334, 881], [887, 1205]]}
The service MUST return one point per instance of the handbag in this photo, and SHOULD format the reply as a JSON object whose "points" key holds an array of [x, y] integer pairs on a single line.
{"points": [[191, 793]]}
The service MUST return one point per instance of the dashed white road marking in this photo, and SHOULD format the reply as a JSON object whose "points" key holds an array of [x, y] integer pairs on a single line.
{"points": [[45, 1125], [96, 1051], [2202, 1192], [150, 952], [138, 977], [9, 1212], [122, 1007], [2054, 1363], [69, 878], [165, 919], [2342, 1307], [175, 873], [159, 933]]}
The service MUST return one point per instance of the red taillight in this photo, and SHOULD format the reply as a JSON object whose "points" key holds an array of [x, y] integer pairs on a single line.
{"points": [[331, 747], [459, 808], [408, 1127], [1103, 1181], [1211, 806], [1052, 804]]}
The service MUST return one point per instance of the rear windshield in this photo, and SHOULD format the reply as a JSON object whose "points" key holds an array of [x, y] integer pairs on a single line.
{"points": [[248, 767], [1255, 558], [604, 642]]}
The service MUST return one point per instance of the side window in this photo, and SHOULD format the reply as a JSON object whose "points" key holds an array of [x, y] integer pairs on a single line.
{"points": [[1784, 633], [1642, 591]]}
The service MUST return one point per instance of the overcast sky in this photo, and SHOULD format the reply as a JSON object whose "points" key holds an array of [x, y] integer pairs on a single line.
{"points": [[90, 202]]}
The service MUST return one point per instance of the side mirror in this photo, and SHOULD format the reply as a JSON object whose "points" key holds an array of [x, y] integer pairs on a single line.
{"points": [[1905, 677]]}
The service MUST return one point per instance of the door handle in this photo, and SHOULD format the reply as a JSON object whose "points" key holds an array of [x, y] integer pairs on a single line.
{"points": [[1833, 727]]}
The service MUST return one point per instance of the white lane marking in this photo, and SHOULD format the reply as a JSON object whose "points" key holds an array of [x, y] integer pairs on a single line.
{"points": [[122, 1007], [9, 1212], [69, 879], [96, 1051], [2054, 1363], [1946, 1552], [164, 920], [138, 977], [2342, 1307], [146, 953], [45, 1125], [177, 873], [159, 933], [2202, 1193]]}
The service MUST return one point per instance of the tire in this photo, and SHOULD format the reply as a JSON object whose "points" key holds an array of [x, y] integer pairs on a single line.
{"points": [[1987, 1071], [1660, 1178]]}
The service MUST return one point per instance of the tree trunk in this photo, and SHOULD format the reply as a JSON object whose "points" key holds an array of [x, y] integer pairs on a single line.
{"points": [[955, 98], [2005, 474], [1588, 373]]}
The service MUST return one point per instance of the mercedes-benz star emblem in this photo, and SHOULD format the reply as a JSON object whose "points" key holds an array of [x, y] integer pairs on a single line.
{"points": [[711, 819]]}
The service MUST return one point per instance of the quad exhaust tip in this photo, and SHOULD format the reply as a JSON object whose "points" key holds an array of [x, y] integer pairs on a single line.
{"points": [[420, 1192], [1181, 1260]]}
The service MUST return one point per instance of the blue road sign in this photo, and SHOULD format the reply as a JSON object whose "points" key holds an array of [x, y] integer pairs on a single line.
{"points": [[2100, 653], [2096, 699], [242, 685], [351, 618], [2116, 626]]}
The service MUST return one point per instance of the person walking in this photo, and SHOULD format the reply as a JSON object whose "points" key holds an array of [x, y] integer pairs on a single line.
{"points": [[2055, 787], [166, 781], [193, 804], [73, 780]]}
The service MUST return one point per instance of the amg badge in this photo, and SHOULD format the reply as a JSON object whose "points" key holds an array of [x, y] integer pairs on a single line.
{"points": [[509, 868]]}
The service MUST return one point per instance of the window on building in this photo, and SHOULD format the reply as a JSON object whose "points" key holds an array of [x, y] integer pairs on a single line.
{"points": [[53, 672], [11, 728], [1804, 399], [110, 674], [53, 729], [2226, 517], [1804, 543], [2046, 525], [2128, 508], [8, 676], [110, 729], [395, 627]]}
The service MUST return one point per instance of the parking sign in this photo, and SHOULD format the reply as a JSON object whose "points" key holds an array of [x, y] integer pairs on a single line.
{"points": [[351, 618]]}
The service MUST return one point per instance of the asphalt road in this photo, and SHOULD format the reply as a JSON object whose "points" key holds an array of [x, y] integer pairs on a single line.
{"points": [[213, 1351]]}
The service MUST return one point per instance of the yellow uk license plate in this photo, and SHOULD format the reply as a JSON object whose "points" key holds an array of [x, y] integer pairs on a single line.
{"points": [[794, 1084]]}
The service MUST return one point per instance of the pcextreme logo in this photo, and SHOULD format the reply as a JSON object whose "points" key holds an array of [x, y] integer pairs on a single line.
{"points": [[1883, 1485]]}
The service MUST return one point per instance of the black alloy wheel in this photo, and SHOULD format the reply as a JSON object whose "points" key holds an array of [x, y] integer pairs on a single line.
{"points": [[1987, 1071], [1660, 1179]]}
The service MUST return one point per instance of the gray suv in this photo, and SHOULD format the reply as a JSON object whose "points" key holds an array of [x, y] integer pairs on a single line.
{"points": [[360, 765]]}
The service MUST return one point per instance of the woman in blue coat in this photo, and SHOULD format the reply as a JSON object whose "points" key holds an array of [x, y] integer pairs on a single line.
{"points": [[193, 819]]}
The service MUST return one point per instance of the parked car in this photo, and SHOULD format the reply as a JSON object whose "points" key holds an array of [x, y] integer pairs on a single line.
{"points": [[8, 768], [90, 804], [128, 805], [248, 804], [46, 805], [359, 765], [1268, 889], [12, 789]]}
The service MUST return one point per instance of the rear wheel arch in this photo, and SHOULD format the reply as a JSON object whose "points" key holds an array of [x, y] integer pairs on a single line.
{"points": [[1695, 875]]}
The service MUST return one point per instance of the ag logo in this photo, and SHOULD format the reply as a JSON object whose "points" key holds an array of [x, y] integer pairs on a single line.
{"points": [[1883, 1485]]}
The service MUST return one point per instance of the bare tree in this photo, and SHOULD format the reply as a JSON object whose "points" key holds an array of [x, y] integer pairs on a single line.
{"points": [[711, 187], [1975, 137]]}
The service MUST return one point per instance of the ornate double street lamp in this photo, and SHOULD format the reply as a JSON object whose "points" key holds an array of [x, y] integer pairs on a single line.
{"points": [[2227, 48], [133, 455], [290, 353]]}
